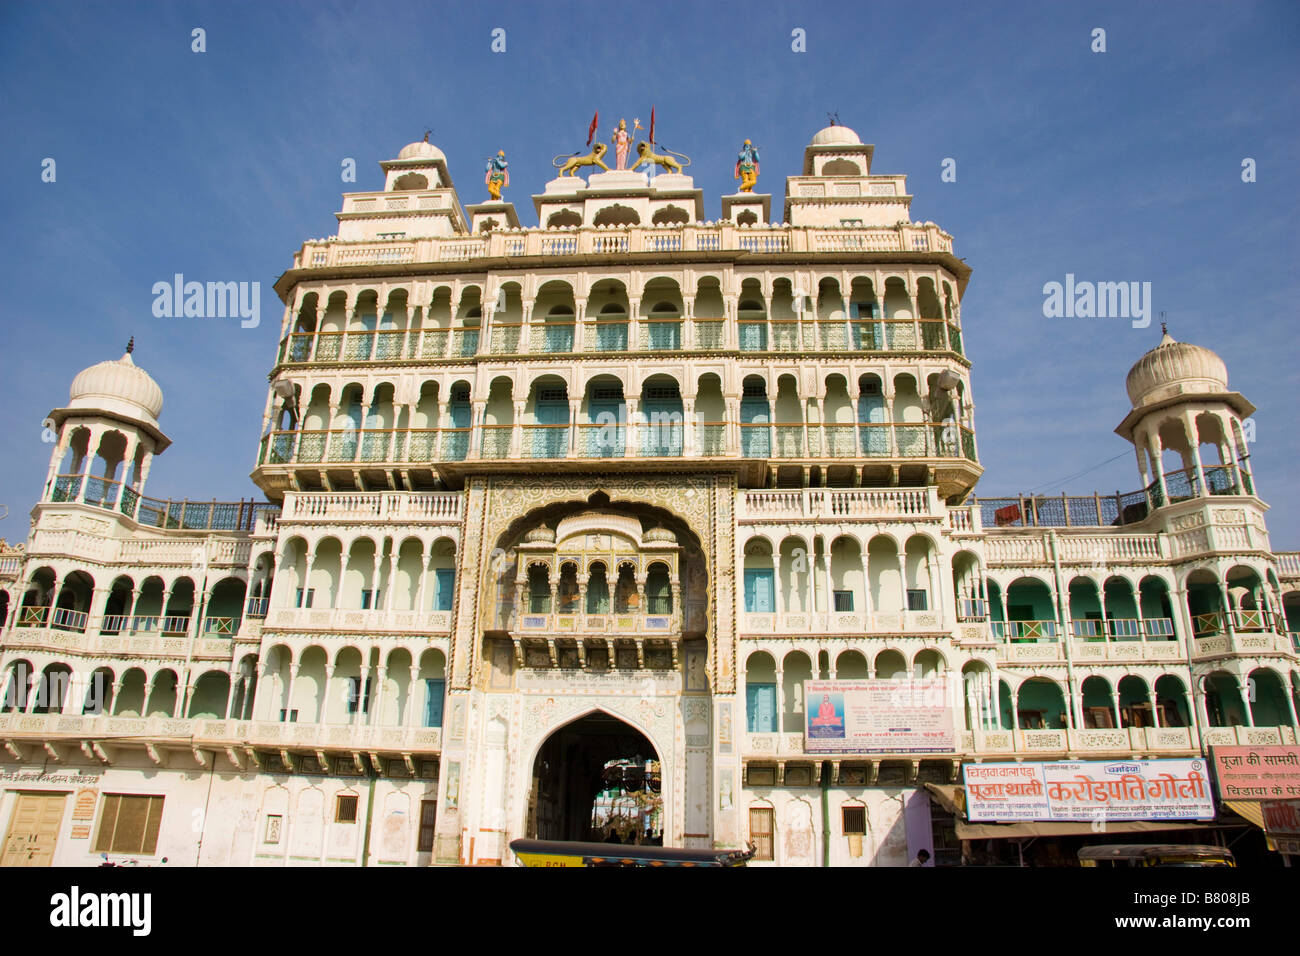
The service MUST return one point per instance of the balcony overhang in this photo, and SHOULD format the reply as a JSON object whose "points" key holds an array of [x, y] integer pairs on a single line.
{"points": [[565, 264], [161, 441], [1234, 400], [454, 473]]}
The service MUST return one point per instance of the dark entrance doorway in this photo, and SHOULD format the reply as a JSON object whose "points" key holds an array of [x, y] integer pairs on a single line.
{"points": [[597, 779]]}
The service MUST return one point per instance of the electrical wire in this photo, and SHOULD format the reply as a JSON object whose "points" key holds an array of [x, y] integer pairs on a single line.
{"points": [[1077, 474]]}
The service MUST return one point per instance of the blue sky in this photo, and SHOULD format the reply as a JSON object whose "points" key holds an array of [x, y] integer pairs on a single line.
{"points": [[1123, 165]]}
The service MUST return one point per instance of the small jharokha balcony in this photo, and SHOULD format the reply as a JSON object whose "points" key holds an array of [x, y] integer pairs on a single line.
{"points": [[597, 641]]}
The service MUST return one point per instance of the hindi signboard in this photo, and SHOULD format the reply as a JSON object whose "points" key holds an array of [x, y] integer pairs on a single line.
{"points": [[1257, 773], [1282, 824], [879, 716], [1089, 790]]}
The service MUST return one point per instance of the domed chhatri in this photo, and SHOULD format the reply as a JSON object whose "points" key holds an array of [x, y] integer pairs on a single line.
{"points": [[422, 149], [836, 135], [659, 535], [118, 386], [1175, 368], [540, 535]]}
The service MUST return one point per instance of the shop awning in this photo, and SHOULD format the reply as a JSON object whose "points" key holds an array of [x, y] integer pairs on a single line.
{"points": [[1023, 831], [951, 796], [1247, 810]]}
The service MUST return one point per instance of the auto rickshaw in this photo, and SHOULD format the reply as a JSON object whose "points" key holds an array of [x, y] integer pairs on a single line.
{"points": [[569, 853], [1155, 854]]}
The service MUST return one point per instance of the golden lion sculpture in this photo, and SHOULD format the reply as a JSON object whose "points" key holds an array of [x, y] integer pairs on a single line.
{"points": [[647, 155], [571, 164]]}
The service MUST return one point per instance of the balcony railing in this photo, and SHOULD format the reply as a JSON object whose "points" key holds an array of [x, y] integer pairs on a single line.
{"points": [[667, 436], [675, 334], [66, 619], [157, 513], [109, 625], [1025, 630], [368, 737], [1207, 624], [32, 616], [587, 240], [1118, 509], [838, 503]]}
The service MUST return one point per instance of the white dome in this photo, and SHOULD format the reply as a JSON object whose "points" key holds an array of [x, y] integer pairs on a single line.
{"points": [[836, 136], [1175, 368], [421, 150], [120, 387]]}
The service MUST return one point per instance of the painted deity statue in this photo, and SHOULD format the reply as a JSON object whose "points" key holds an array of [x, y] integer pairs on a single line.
{"points": [[622, 142], [498, 174], [747, 167]]}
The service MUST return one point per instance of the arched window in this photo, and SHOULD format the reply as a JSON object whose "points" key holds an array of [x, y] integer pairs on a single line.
{"points": [[659, 591], [597, 590]]}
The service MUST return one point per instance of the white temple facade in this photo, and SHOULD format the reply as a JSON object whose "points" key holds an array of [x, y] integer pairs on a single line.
{"points": [[556, 521]]}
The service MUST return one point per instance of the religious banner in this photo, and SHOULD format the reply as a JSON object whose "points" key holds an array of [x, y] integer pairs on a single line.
{"points": [[1095, 790], [1257, 773], [879, 716]]}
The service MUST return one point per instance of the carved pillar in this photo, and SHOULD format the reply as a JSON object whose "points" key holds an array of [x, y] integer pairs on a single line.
{"points": [[517, 430], [381, 676], [476, 428], [1153, 451], [1201, 486], [575, 410], [866, 589], [732, 428], [887, 389], [631, 439], [413, 698]]}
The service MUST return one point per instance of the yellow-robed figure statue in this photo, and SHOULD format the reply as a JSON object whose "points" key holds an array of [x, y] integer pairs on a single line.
{"points": [[747, 167], [498, 175]]}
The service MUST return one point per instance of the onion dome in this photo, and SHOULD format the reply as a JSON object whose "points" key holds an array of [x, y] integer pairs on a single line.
{"points": [[1175, 368], [121, 387], [421, 150], [540, 535], [659, 535], [836, 136]]}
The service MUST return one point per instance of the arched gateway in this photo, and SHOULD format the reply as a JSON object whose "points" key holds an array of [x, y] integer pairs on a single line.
{"points": [[597, 779]]}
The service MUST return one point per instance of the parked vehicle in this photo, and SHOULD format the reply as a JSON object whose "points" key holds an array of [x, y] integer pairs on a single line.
{"points": [[1155, 854]]}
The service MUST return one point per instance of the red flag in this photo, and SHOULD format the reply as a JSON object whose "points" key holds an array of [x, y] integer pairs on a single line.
{"points": [[652, 124], [591, 130], [1008, 515]]}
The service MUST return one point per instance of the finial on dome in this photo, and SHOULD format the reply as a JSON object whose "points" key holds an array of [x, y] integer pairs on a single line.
{"points": [[130, 345], [427, 132]]}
